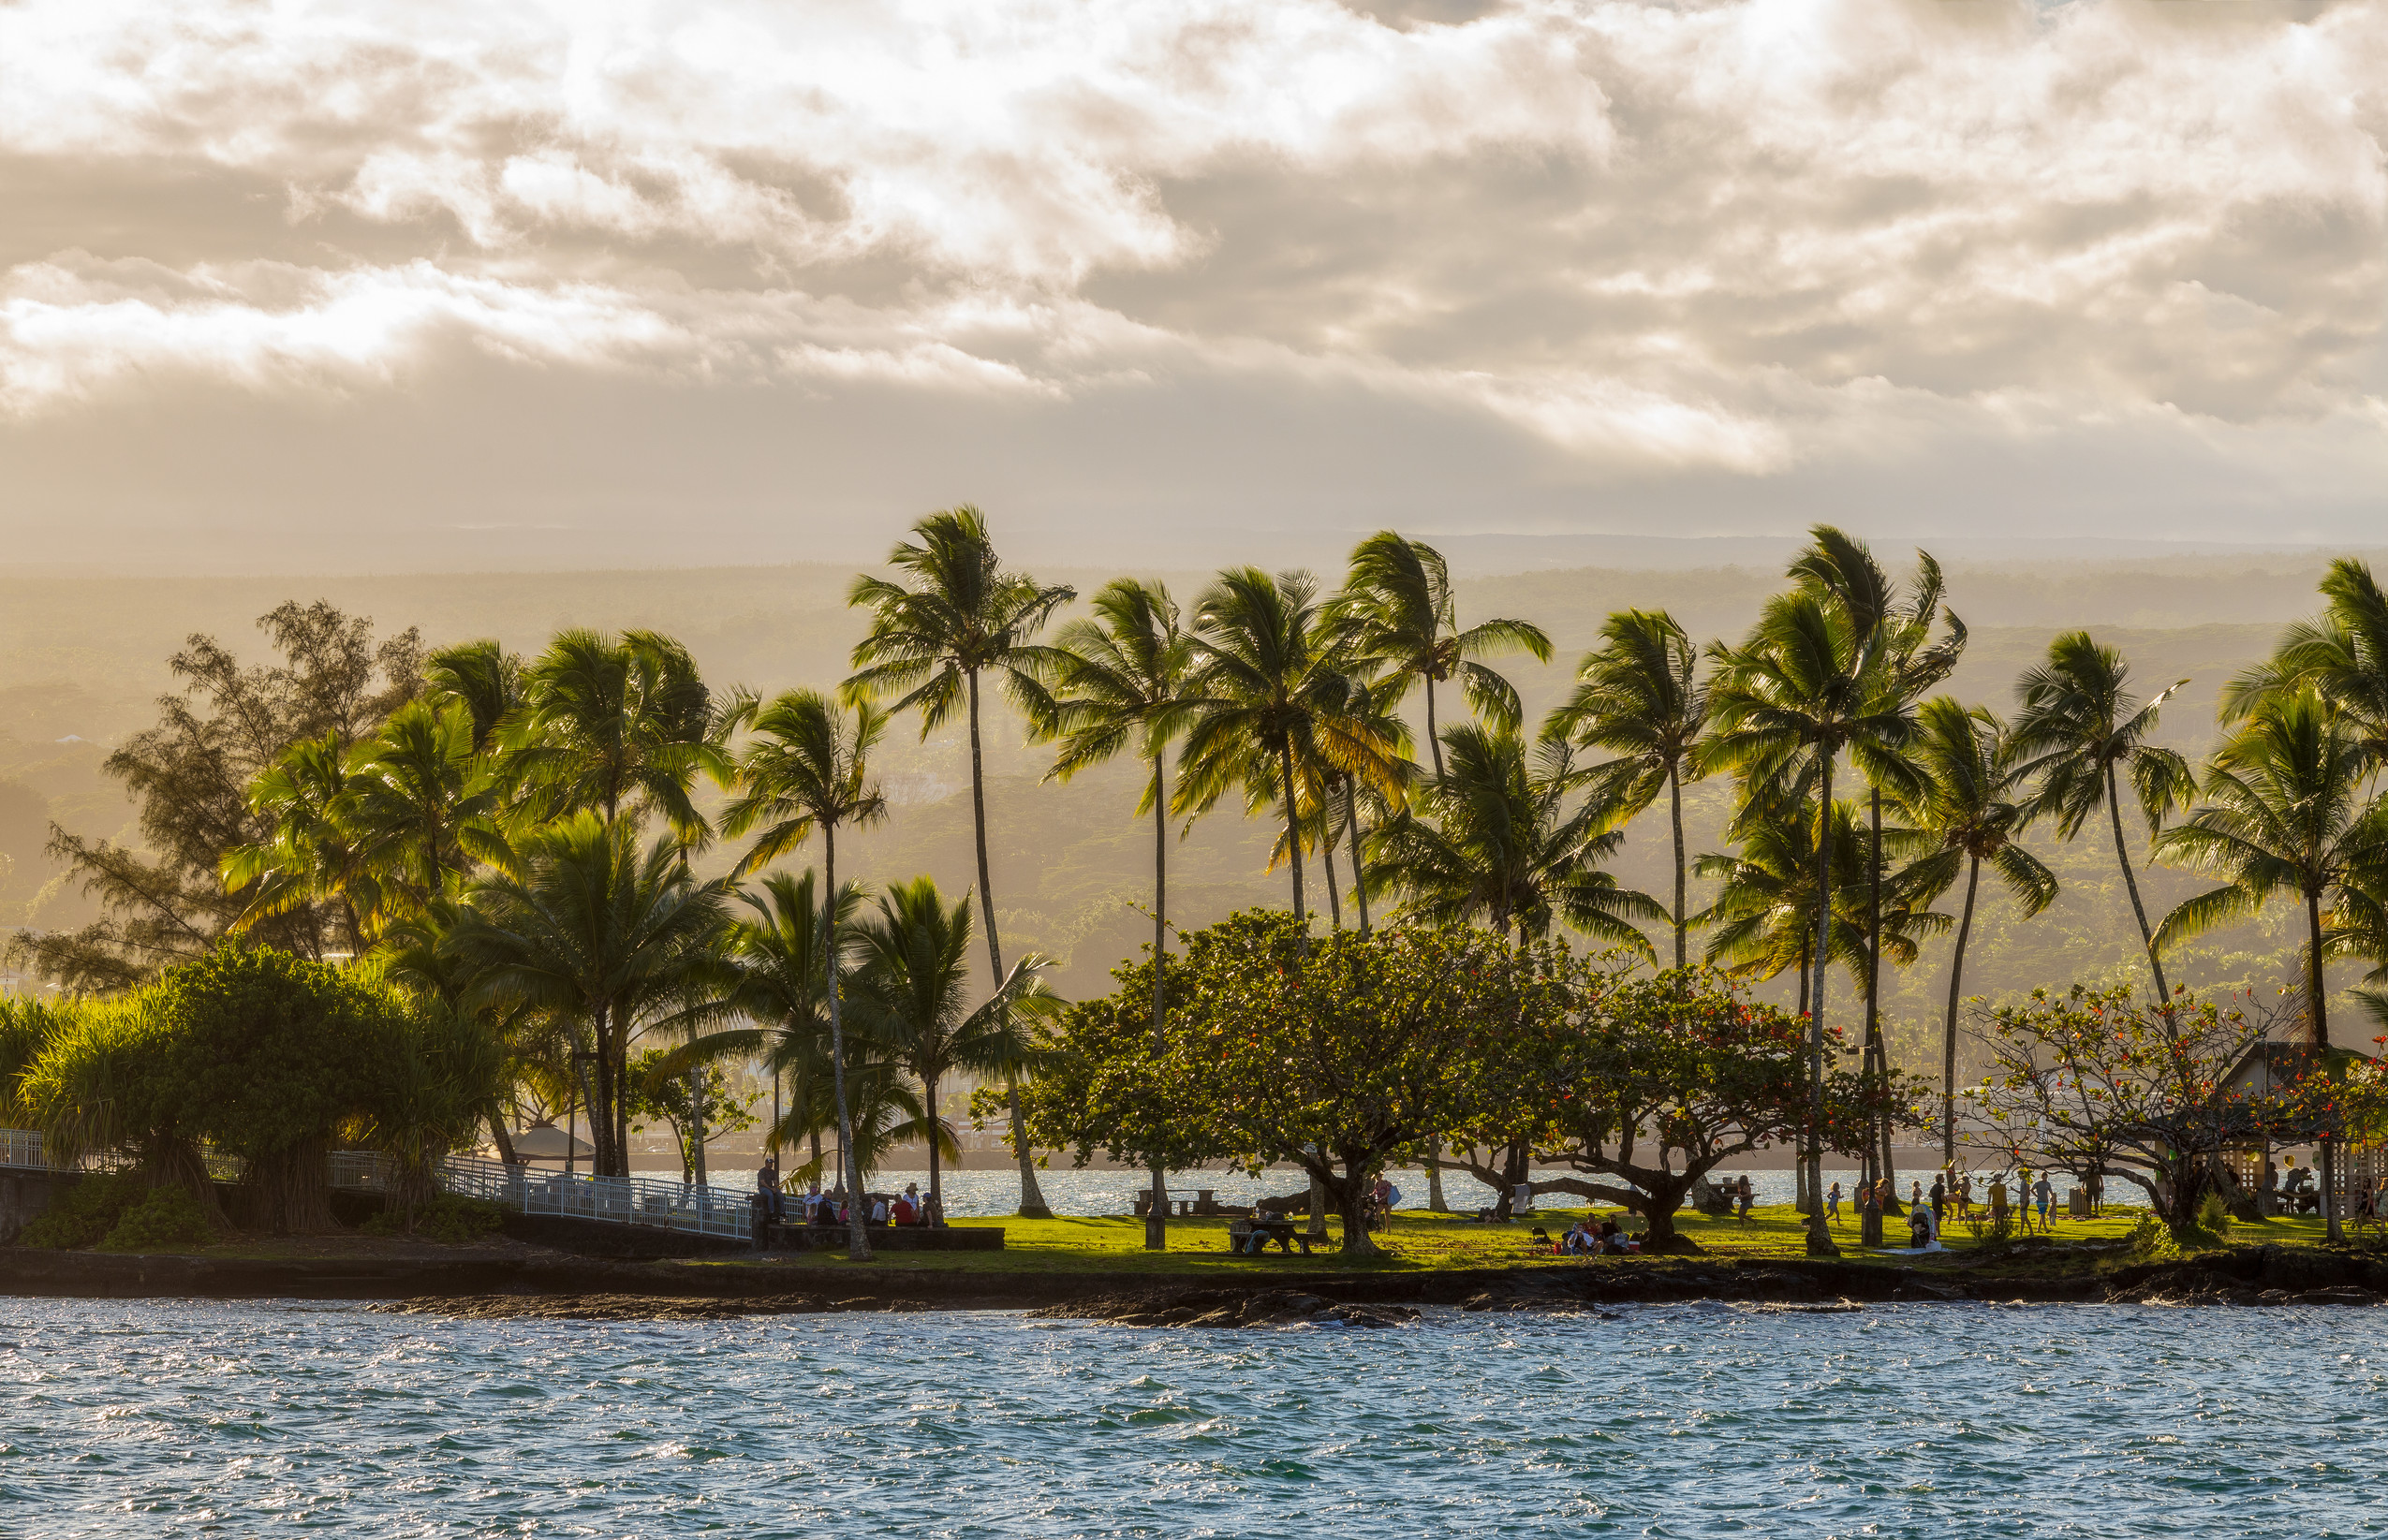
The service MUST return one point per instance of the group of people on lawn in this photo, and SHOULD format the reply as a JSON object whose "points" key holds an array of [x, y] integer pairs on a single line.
{"points": [[832, 1208]]}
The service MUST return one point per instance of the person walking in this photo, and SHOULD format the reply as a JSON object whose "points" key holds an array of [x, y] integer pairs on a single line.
{"points": [[1833, 1205], [2044, 1195]]}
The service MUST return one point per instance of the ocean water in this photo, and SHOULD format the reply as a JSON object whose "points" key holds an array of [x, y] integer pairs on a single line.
{"points": [[184, 1418], [972, 1194]]}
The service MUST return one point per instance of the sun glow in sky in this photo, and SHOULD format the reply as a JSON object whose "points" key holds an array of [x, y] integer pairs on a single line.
{"points": [[373, 284]]}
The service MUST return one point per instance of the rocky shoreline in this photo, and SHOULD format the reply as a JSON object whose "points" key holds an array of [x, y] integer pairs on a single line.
{"points": [[553, 1285]]}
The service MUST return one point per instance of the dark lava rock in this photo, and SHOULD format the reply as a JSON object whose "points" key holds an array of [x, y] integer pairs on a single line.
{"points": [[602, 1307]]}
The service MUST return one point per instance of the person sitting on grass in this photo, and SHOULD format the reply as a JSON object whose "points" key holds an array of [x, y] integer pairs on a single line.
{"points": [[1582, 1240]]}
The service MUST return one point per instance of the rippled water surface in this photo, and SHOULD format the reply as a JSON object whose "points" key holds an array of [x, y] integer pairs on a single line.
{"points": [[187, 1419]]}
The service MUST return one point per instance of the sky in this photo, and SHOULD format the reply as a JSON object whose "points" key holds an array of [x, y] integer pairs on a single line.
{"points": [[428, 286]]}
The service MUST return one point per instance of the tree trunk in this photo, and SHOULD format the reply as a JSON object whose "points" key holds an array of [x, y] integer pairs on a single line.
{"points": [[1350, 1196], [605, 1157], [1818, 1243], [1435, 1203], [857, 1239], [1156, 1216], [2146, 936], [697, 1124], [288, 1192], [1675, 798], [2318, 1019], [1949, 1028], [1434, 740], [1032, 1197], [1877, 1050], [1359, 872], [1334, 898], [499, 1137], [1293, 834], [936, 1186]]}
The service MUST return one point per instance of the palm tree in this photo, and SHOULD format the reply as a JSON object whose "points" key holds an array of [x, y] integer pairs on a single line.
{"points": [[2284, 813], [480, 676], [1402, 615], [1902, 661], [1971, 804], [2342, 654], [1803, 685], [962, 616], [2079, 731], [420, 807], [610, 725], [912, 1000], [1119, 678], [1502, 848], [308, 853], [1638, 697], [1271, 694], [806, 767], [586, 925]]}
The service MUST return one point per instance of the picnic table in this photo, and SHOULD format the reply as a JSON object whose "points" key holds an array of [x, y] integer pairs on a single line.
{"points": [[1283, 1231]]}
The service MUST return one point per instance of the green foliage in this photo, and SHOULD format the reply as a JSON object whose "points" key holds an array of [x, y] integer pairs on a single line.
{"points": [[267, 1052], [447, 1218], [2214, 1216], [2153, 1240], [661, 1093], [166, 1218], [83, 1210]]}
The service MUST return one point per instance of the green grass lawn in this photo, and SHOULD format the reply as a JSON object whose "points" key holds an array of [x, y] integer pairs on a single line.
{"points": [[1419, 1240]]}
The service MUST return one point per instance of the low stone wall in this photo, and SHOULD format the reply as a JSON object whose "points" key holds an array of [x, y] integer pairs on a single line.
{"points": [[24, 1195]]}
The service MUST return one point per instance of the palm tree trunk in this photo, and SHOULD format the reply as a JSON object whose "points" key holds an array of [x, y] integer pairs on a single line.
{"points": [[1156, 1216], [697, 1124], [498, 1136], [1032, 1197], [1877, 1052], [2318, 1017], [1956, 989], [1293, 836], [937, 1187], [1327, 864], [1359, 872], [605, 1156], [2146, 936], [849, 1174], [1433, 741], [1817, 1240], [1675, 798]]}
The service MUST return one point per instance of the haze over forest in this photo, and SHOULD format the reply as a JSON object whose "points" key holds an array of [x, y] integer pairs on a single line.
{"points": [[82, 660]]}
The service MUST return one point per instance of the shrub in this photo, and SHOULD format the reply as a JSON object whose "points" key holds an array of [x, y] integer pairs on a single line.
{"points": [[447, 1218], [88, 1208], [2152, 1239], [169, 1219], [2214, 1216]]}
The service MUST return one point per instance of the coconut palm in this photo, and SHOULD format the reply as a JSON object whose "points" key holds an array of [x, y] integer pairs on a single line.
{"points": [[1123, 677], [1272, 694], [308, 853], [911, 1000], [2284, 814], [1639, 698], [611, 724], [1902, 660], [2079, 732], [586, 925], [1403, 617], [421, 807], [806, 767], [1498, 845], [1801, 687], [480, 676], [1970, 802], [2342, 654], [960, 614]]}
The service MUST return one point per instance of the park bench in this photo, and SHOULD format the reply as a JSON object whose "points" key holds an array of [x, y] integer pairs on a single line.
{"points": [[1284, 1232]]}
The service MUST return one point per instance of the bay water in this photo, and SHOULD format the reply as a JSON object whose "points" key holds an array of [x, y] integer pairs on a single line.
{"points": [[139, 1418]]}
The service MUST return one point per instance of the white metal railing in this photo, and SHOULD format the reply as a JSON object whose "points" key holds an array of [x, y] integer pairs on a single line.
{"points": [[21, 1149], [620, 1201]]}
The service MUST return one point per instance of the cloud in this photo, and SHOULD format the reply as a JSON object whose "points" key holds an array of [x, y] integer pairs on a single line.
{"points": [[1629, 239]]}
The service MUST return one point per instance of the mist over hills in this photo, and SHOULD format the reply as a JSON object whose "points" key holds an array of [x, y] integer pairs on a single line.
{"points": [[82, 660]]}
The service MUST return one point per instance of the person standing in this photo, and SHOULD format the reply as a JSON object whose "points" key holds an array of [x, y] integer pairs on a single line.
{"points": [[1832, 1205], [1940, 1200], [2044, 1195], [1744, 1197]]}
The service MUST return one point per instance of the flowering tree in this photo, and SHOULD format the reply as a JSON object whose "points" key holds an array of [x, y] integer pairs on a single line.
{"points": [[1685, 1061], [2098, 1082], [1330, 1060]]}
